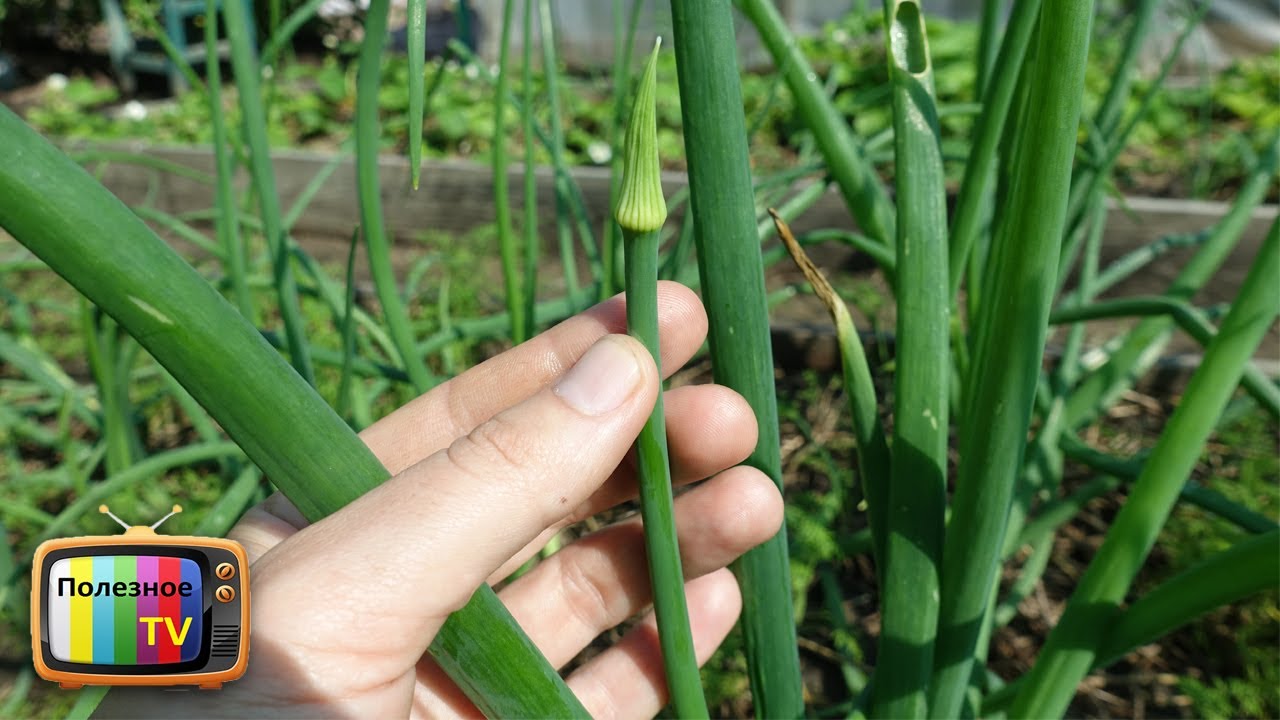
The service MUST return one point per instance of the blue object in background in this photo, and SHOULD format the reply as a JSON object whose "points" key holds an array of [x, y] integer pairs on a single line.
{"points": [[131, 55], [8, 72]]}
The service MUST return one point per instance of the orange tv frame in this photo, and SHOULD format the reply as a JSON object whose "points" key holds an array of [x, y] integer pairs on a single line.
{"points": [[187, 625]]}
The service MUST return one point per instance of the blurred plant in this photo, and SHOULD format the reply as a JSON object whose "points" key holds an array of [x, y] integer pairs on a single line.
{"points": [[313, 106]]}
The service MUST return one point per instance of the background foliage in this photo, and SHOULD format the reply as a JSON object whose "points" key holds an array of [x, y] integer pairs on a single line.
{"points": [[1195, 141]]}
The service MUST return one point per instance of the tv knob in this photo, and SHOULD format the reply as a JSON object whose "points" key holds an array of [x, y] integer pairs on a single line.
{"points": [[225, 594], [225, 571]]}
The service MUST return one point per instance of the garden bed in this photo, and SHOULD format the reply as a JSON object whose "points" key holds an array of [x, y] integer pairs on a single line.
{"points": [[1198, 135], [455, 201]]}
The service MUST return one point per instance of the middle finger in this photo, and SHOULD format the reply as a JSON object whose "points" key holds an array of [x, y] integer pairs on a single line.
{"points": [[709, 428]]}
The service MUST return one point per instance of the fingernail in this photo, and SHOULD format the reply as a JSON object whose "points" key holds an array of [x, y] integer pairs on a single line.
{"points": [[602, 379]]}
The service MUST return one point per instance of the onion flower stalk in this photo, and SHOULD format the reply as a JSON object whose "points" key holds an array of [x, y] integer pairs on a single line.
{"points": [[640, 213]]}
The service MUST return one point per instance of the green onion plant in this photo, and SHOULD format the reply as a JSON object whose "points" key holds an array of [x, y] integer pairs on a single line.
{"points": [[968, 418], [918, 465]]}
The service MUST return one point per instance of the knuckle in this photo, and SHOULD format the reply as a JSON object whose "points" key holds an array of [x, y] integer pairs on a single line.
{"points": [[598, 696], [584, 595], [494, 445]]}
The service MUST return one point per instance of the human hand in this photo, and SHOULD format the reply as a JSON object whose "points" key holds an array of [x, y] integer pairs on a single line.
{"points": [[485, 469]]}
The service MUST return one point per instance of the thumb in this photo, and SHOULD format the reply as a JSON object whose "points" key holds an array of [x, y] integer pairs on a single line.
{"points": [[415, 549]]}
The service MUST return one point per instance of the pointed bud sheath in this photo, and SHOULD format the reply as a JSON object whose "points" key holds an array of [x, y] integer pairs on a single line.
{"points": [[641, 207]]}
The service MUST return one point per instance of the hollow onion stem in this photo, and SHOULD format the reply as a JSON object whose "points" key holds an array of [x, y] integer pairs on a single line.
{"points": [[254, 120], [501, 193], [640, 253], [368, 187], [732, 272]]}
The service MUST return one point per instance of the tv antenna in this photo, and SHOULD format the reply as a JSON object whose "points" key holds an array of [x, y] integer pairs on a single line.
{"points": [[138, 529]]}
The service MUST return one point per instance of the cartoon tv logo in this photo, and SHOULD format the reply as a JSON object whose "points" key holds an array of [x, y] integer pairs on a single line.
{"points": [[140, 609]]}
